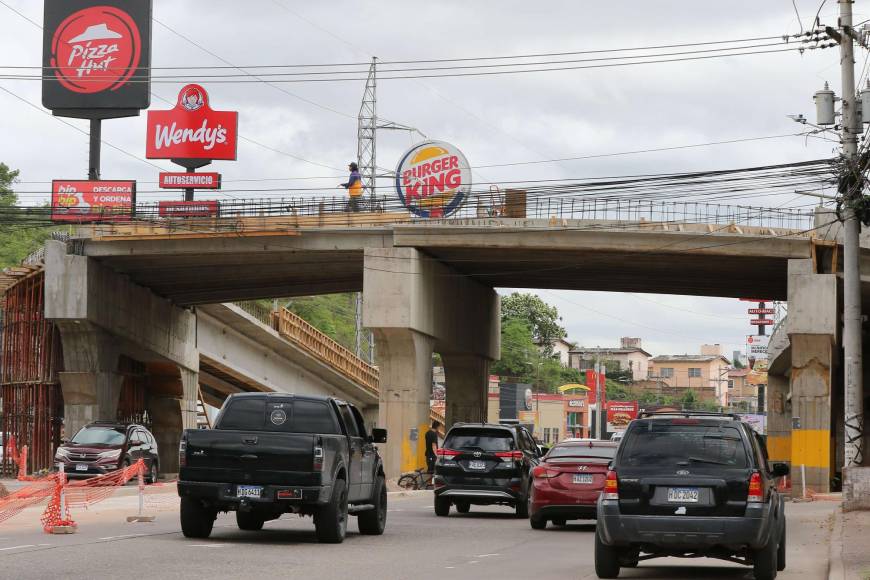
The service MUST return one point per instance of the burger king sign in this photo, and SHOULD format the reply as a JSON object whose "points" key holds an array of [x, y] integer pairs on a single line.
{"points": [[433, 179]]}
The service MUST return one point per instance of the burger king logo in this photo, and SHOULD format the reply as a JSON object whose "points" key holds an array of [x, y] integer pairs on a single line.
{"points": [[433, 179], [96, 49]]}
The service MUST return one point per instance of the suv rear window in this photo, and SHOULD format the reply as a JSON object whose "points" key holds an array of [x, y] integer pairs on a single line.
{"points": [[582, 451], [287, 416], [480, 439], [682, 443]]}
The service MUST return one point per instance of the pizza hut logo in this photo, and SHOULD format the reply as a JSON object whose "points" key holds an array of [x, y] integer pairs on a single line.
{"points": [[96, 49], [192, 98]]}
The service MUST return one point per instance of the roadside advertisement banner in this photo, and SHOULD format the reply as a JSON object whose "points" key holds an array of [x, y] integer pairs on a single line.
{"points": [[89, 201], [186, 180], [757, 421], [96, 57], [205, 208], [192, 130], [433, 179], [620, 414], [757, 346], [761, 322]]}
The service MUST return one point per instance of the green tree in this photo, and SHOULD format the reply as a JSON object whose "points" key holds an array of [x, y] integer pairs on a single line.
{"points": [[542, 318], [519, 354], [22, 230]]}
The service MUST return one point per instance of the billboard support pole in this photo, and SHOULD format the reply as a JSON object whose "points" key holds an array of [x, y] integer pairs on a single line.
{"points": [[94, 152]]}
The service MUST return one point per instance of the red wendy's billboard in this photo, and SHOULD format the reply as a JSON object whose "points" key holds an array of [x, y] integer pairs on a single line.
{"points": [[96, 57], [192, 130], [89, 201]]}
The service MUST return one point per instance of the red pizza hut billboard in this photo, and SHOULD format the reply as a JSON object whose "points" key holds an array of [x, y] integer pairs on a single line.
{"points": [[192, 130], [620, 414], [96, 57], [205, 208], [90, 201]]}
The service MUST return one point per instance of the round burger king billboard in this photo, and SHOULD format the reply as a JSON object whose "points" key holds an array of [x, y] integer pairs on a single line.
{"points": [[433, 179]]}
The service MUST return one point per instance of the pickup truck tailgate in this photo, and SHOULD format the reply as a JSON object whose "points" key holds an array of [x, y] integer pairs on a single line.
{"points": [[262, 457]]}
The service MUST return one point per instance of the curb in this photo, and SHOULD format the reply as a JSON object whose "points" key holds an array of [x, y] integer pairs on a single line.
{"points": [[836, 568], [409, 493]]}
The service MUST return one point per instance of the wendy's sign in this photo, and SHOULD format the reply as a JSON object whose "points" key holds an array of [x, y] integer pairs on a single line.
{"points": [[192, 131], [96, 57]]}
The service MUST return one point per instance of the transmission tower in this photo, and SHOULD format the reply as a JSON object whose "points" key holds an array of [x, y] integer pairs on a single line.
{"points": [[367, 127]]}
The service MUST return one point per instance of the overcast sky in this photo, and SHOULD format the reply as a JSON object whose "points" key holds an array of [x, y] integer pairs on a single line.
{"points": [[493, 119]]}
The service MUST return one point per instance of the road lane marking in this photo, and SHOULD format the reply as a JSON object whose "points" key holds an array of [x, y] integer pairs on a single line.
{"points": [[121, 537], [206, 545], [486, 555], [18, 547]]}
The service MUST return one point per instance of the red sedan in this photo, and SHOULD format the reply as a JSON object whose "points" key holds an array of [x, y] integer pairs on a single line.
{"points": [[567, 482]]}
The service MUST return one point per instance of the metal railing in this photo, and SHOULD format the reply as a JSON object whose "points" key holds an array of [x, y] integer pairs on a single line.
{"points": [[296, 330], [381, 210], [257, 310]]}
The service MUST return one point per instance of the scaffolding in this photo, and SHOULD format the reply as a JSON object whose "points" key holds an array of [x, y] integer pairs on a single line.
{"points": [[31, 401]]}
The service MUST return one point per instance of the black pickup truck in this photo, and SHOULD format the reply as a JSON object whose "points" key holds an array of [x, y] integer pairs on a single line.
{"points": [[275, 453]]}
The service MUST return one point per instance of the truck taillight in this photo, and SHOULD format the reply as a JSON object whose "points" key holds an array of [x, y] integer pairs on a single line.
{"points": [[756, 493], [318, 458], [182, 451], [611, 486], [510, 455]]}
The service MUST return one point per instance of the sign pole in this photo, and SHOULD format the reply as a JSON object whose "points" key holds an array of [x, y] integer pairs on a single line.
{"points": [[94, 152]]}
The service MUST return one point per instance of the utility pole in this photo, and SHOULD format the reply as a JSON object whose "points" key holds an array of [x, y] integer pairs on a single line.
{"points": [[850, 186]]}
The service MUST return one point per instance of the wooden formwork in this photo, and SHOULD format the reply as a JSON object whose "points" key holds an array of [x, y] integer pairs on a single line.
{"points": [[30, 353]]}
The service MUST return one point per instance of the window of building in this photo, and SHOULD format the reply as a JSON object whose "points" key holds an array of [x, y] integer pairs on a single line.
{"points": [[694, 372], [574, 420], [546, 434], [730, 384], [667, 373], [555, 435]]}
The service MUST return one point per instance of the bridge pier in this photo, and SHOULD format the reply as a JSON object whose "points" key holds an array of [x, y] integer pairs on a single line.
{"points": [[415, 305]]}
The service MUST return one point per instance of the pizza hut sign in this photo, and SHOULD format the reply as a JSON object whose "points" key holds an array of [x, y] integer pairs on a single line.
{"points": [[192, 130]]}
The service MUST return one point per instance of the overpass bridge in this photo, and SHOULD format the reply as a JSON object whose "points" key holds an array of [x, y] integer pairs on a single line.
{"points": [[428, 286]]}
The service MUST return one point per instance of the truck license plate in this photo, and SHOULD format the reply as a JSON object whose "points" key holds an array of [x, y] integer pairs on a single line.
{"points": [[81, 466], [248, 491], [582, 478], [477, 465], [683, 494]]}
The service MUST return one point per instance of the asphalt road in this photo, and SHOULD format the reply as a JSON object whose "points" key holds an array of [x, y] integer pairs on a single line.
{"points": [[486, 543]]}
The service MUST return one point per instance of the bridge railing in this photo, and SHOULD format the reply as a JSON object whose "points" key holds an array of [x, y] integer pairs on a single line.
{"points": [[295, 329], [506, 205]]}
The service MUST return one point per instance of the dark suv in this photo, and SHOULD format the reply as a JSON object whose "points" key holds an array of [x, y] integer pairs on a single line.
{"points": [[690, 485], [485, 464], [101, 447]]}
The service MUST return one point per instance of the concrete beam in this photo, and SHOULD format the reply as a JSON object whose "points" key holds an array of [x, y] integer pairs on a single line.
{"points": [[80, 290]]}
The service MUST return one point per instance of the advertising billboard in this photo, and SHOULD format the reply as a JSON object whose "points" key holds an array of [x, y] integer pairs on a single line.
{"points": [[620, 414], [433, 179], [757, 421], [96, 58], [757, 345], [186, 180], [89, 201], [192, 130], [204, 208]]}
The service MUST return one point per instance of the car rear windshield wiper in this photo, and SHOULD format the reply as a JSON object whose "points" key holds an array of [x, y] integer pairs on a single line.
{"points": [[704, 460]]}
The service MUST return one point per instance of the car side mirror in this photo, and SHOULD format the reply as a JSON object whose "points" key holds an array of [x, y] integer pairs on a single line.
{"points": [[780, 469], [379, 435]]}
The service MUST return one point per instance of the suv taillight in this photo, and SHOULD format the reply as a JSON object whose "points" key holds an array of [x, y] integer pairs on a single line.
{"points": [[756, 493], [611, 486], [449, 453], [515, 455], [182, 451]]}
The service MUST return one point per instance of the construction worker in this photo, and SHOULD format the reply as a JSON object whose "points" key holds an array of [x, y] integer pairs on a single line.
{"points": [[354, 188]]}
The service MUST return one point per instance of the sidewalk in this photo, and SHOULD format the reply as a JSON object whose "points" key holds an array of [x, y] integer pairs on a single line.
{"points": [[850, 546]]}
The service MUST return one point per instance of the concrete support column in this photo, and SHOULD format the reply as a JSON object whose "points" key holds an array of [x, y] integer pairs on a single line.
{"points": [[190, 394], [778, 419], [166, 425], [467, 379], [405, 361], [90, 382], [811, 377]]}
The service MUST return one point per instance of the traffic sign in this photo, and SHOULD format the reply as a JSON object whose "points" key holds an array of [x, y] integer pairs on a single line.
{"points": [[761, 311], [761, 322]]}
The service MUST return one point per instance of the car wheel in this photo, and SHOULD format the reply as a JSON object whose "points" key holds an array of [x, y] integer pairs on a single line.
{"points": [[442, 507], [196, 519], [606, 559], [330, 521], [522, 506], [537, 523], [152, 473], [780, 552], [463, 507], [249, 521], [373, 522], [764, 561], [559, 522]]}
